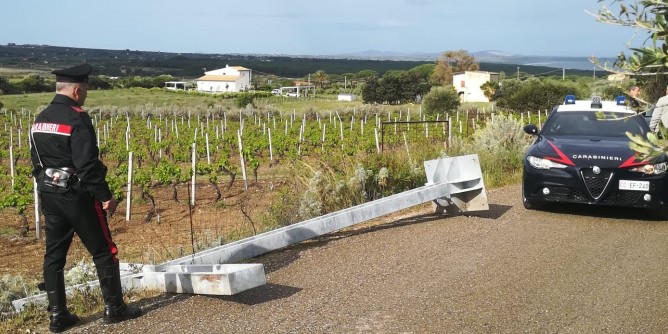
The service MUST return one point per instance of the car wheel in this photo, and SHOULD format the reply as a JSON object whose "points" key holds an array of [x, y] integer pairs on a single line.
{"points": [[530, 205]]}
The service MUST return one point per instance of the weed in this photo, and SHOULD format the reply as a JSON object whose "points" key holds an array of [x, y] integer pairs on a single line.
{"points": [[82, 272], [8, 231], [14, 287]]}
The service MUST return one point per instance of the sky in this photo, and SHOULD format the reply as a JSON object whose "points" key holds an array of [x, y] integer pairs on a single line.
{"points": [[520, 27]]}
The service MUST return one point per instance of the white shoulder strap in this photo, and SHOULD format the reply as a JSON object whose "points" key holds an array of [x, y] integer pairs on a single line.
{"points": [[32, 140]]}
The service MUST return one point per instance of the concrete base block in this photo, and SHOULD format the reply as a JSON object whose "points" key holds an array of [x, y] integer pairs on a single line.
{"points": [[463, 179], [219, 279]]}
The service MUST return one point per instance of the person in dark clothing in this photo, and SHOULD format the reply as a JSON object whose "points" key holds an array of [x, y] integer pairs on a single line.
{"points": [[634, 94], [75, 197]]}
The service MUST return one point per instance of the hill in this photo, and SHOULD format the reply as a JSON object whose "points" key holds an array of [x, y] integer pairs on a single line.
{"points": [[192, 65]]}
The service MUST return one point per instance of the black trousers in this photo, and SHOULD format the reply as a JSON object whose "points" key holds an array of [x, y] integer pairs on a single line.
{"points": [[75, 212]]}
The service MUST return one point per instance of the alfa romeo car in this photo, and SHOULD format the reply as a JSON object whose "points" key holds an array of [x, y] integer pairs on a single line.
{"points": [[582, 155]]}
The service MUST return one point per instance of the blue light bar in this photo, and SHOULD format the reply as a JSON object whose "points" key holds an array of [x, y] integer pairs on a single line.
{"points": [[621, 100], [570, 99]]}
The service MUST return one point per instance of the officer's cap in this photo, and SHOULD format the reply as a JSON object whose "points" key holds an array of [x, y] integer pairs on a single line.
{"points": [[77, 73]]}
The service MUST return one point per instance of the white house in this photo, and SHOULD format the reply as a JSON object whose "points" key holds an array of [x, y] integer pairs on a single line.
{"points": [[347, 97], [467, 84], [228, 79]]}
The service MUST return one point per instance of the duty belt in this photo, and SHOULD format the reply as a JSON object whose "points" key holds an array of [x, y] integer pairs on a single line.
{"points": [[59, 177]]}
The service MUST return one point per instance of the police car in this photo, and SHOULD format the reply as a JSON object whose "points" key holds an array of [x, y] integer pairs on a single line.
{"points": [[582, 155]]}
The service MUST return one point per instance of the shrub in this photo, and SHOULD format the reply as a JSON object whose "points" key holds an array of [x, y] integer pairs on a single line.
{"points": [[13, 287], [501, 132], [245, 99], [82, 272], [500, 146], [440, 99], [534, 94], [283, 209]]}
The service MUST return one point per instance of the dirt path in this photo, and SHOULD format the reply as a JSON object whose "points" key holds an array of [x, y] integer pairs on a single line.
{"points": [[509, 270]]}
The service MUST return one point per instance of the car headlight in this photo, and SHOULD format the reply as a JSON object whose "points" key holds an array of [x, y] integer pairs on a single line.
{"points": [[540, 163], [651, 169]]}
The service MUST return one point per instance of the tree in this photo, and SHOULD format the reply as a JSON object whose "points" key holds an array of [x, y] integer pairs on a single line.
{"points": [[394, 87], [440, 99], [450, 62], [649, 15], [320, 77], [651, 59], [366, 75], [490, 88], [244, 99], [35, 84], [370, 91], [423, 72], [5, 86], [535, 94], [96, 82]]}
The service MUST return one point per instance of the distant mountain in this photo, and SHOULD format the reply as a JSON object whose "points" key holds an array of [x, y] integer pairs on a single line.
{"points": [[492, 53], [487, 56], [190, 65]]}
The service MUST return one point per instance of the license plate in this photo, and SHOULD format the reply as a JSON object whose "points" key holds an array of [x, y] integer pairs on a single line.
{"points": [[634, 185]]}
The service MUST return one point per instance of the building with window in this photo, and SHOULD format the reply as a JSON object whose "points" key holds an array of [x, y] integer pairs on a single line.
{"points": [[228, 79], [467, 84]]}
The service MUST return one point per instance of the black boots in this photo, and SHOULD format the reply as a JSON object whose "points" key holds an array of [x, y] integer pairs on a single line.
{"points": [[115, 309], [61, 318]]}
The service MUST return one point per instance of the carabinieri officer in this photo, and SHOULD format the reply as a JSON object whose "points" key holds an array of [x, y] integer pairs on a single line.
{"points": [[75, 197]]}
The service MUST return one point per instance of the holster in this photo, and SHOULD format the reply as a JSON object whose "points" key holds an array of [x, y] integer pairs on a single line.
{"points": [[59, 178]]}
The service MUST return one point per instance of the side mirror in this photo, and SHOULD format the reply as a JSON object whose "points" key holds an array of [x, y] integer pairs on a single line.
{"points": [[531, 129]]}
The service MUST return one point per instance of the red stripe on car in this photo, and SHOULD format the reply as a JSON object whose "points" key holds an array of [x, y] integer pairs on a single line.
{"points": [[633, 162], [562, 157]]}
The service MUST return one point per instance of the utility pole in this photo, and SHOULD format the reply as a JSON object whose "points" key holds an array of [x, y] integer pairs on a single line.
{"points": [[563, 73], [594, 72]]}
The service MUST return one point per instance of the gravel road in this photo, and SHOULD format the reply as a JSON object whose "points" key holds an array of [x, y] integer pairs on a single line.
{"points": [[507, 270]]}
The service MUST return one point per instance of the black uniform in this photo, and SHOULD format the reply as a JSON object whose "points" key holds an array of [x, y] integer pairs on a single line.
{"points": [[72, 186], [64, 137], [633, 103]]}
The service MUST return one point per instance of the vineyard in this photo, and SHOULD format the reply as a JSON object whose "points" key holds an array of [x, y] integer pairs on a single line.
{"points": [[194, 177]]}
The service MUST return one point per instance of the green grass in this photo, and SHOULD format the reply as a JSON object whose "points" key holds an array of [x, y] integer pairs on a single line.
{"points": [[114, 97], [158, 97]]}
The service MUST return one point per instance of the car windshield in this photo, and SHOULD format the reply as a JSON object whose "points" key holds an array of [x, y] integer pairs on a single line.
{"points": [[589, 123]]}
